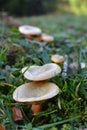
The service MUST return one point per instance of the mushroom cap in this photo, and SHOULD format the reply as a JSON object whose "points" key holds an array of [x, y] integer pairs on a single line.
{"points": [[38, 73], [46, 37], [29, 30], [35, 92], [57, 58]]}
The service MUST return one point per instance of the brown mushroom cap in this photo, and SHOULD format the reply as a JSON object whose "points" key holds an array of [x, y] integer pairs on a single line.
{"points": [[46, 38], [35, 92], [29, 30], [57, 58], [38, 73]]}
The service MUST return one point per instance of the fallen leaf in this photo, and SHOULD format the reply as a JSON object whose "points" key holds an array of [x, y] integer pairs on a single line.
{"points": [[1, 127], [17, 114]]}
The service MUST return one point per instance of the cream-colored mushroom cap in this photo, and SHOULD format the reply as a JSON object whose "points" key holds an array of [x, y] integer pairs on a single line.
{"points": [[47, 38], [29, 30], [57, 58], [34, 92], [38, 73]]}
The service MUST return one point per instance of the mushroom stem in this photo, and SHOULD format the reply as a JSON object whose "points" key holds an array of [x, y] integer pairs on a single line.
{"points": [[29, 36], [36, 108]]}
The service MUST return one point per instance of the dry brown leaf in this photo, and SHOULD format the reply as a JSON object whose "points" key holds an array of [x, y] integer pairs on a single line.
{"points": [[17, 114], [1, 127]]}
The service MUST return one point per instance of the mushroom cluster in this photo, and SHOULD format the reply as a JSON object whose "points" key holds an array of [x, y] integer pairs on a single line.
{"points": [[32, 31], [38, 90]]}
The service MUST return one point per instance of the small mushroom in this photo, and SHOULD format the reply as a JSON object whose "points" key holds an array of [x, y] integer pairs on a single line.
{"points": [[38, 73], [46, 38], [57, 58], [29, 31], [35, 93]]}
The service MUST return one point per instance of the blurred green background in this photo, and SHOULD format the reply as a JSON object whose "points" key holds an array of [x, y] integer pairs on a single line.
{"points": [[39, 7]]}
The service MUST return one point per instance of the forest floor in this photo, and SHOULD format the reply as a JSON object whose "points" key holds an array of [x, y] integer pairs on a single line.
{"points": [[68, 110]]}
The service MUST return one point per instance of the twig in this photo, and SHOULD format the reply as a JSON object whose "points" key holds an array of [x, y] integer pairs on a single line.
{"points": [[65, 67]]}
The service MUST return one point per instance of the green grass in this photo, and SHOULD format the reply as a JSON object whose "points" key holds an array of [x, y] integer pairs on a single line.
{"points": [[70, 33]]}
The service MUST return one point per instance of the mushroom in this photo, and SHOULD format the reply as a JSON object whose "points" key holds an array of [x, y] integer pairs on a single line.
{"points": [[38, 73], [35, 93], [46, 38], [57, 58], [29, 31]]}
